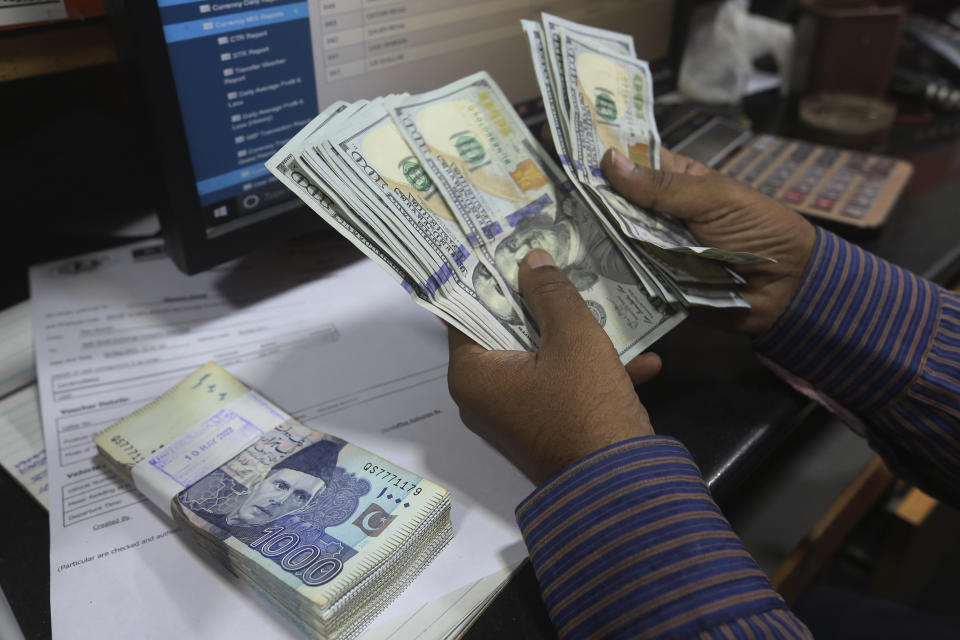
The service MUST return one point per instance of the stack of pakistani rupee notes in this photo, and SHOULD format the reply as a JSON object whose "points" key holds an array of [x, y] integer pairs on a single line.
{"points": [[449, 190], [328, 533]]}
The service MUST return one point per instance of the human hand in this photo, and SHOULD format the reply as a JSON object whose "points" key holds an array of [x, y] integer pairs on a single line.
{"points": [[726, 214], [544, 411]]}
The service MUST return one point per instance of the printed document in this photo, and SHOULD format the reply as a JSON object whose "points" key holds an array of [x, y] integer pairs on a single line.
{"points": [[16, 349], [21, 442], [345, 351], [21, 438]]}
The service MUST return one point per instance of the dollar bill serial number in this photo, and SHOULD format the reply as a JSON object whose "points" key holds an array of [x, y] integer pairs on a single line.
{"points": [[391, 478]]}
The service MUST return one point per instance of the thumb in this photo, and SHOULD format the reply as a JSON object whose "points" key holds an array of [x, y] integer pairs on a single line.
{"points": [[644, 368], [556, 305], [680, 194]]}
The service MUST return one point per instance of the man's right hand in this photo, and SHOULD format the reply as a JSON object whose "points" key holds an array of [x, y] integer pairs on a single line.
{"points": [[725, 214]]}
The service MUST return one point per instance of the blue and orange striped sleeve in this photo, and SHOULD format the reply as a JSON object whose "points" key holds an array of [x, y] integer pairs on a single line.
{"points": [[880, 346], [627, 543]]}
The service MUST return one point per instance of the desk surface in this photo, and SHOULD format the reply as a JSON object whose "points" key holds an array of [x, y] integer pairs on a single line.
{"points": [[713, 394]]}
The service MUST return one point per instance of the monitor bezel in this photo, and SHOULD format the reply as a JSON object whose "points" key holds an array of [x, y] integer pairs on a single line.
{"points": [[181, 215]]}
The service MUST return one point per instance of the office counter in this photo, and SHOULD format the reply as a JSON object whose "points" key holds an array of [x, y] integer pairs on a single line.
{"points": [[713, 394]]}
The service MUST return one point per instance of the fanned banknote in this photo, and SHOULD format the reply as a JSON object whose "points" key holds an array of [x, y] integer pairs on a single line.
{"points": [[610, 98], [553, 29], [511, 197], [327, 532], [373, 147], [447, 191], [670, 274], [433, 277]]}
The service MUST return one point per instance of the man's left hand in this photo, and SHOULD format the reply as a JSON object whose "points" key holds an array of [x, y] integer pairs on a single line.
{"points": [[544, 411]]}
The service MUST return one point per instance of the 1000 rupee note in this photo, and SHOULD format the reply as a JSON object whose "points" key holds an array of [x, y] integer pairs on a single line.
{"points": [[509, 194], [309, 508], [329, 533]]}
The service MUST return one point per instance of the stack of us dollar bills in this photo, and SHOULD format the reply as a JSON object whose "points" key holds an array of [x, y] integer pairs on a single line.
{"points": [[328, 533], [449, 190]]}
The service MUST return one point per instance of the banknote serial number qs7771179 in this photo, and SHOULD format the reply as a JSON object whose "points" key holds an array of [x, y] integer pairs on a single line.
{"points": [[391, 478]]}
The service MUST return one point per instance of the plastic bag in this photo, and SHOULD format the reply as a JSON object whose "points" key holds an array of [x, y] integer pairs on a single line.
{"points": [[723, 42]]}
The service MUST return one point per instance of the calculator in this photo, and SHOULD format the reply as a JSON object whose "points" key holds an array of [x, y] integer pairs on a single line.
{"points": [[850, 187]]}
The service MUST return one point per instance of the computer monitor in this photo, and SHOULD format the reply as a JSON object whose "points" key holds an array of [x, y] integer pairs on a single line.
{"points": [[228, 82]]}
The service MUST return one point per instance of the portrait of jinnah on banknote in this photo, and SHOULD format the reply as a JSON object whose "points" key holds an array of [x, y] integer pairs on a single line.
{"points": [[579, 246], [308, 483]]}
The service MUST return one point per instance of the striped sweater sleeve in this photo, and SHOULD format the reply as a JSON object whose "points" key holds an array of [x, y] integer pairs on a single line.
{"points": [[881, 347], [628, 543]]}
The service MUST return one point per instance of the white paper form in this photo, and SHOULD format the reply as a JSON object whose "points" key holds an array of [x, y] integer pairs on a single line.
{"points": [[347, 352], [17, 368], [21, 442], [21, 437]]}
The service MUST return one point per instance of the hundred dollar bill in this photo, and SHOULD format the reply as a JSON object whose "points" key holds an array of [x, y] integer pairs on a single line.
{"points": [[692, 269], [553, 27], [610, 98], [327, 532], [556, 119], [361, 209], [696, 281], [621, 43], [424, 254], [288, 168], [381, 158], [507, 192]]}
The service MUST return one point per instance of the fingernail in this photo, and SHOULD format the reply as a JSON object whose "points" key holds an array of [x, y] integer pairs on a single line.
{"points": [[539, 258], [620, 162]]}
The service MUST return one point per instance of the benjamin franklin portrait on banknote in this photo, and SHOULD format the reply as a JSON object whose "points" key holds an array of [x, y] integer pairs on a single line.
{"points": [[492, 296], [578, 244]]}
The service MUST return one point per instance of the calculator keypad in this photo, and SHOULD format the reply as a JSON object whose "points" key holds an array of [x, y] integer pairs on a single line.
{"points": [[804, 185], [815, 179], [781, 174]]}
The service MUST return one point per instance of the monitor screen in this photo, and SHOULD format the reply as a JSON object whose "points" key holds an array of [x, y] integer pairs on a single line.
{"points": [[248, 74]]}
